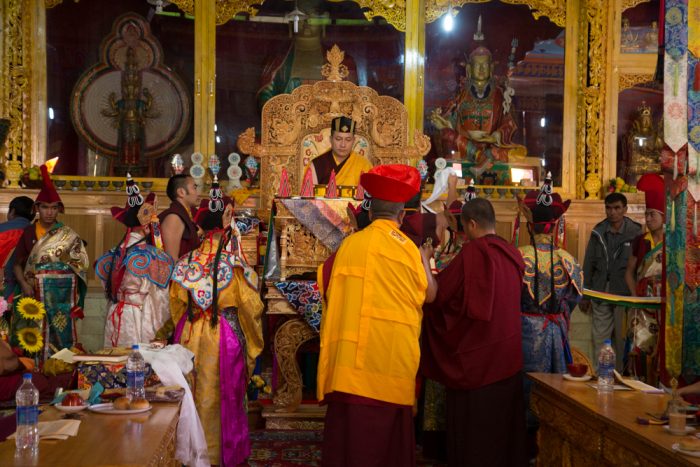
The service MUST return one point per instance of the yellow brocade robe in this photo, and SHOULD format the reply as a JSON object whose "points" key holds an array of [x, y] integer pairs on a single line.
{"points": [[349, 173], [203, 340], [371, 325]]}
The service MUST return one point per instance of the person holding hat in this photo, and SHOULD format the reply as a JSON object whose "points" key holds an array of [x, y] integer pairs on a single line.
{"points": [[136, 274], [552, 287], [472, 345], [51, 264], [347, 165], [374, 290], [644, 276], [215, 303]]}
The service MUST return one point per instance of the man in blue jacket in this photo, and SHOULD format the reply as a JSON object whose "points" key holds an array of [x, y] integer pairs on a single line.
{"points": [[604, 271]]}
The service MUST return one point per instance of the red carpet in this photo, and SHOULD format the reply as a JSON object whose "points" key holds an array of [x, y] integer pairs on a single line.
{"points": [[284, 448]]}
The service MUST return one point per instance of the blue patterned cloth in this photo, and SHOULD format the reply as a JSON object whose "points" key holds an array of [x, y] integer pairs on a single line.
{"points": [[305, 298]]}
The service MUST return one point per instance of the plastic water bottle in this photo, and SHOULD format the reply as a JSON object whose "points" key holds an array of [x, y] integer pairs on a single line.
{"points": [[135, 371], [27, 399], [606, 367]]}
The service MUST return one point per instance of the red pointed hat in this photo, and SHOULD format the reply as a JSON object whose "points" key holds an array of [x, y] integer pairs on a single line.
{"points": [[654, 191], [392, 182], [48, 193]]}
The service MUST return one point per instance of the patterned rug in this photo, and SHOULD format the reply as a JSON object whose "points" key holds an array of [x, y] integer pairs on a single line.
{"points": [[285, 448], [281, 448]]}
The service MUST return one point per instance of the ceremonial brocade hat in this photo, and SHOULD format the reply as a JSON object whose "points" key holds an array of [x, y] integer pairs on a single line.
{"points": [[128, 215], [397, 183], [215, 212], [343, 125], [654, 191], [545, 206], [48, 193]]}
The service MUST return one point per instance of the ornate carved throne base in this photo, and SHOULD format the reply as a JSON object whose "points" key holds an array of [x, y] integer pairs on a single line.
{"points": [[287, 411]]}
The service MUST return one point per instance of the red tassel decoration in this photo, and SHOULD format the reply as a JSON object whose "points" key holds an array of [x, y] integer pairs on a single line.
{"points": [[332, 187], [285, 189], [307, 186]]}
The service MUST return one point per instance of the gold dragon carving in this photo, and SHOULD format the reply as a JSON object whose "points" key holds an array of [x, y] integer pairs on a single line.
{"points": [[288, 338], [17, 46], [288, 118], [394, 11], [593, 87], [630, 80], [627, 4], [225, 9]]}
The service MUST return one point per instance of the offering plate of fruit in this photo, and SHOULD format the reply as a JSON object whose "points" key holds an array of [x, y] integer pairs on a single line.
{"points": [[72, 402], [31, 177], [122, 406]]}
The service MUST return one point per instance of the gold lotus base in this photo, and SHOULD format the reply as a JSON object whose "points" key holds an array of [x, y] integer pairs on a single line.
{"points": [[305, 417]]}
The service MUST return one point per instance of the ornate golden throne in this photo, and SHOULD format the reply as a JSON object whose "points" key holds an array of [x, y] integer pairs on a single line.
{"points": [[295, 128]]}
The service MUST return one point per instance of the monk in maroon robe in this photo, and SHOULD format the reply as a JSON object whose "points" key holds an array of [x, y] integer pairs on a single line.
{"points": [[472, 345]]}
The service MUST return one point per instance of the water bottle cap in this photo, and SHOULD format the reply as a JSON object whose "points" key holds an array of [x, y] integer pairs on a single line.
{"points": [[27, 376], [607, 341], [135, 347]]}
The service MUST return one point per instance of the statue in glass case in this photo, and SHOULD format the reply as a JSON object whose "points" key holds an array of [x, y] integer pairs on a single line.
{"points": [[642, 145], [477, 125], [130, 113]]}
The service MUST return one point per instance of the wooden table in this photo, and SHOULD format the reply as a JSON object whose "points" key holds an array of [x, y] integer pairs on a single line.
{"points": [[579, 427], [115, 440]]}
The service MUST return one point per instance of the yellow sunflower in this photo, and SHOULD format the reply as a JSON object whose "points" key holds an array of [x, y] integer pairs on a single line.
{"points": [[30, 339], [30, 308]]}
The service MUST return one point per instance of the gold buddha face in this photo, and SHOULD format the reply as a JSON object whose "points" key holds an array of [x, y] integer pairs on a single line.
{"points": [[480, 68]]}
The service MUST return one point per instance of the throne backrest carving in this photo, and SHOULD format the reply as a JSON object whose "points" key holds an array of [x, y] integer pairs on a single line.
{"points": [[291, 122]]}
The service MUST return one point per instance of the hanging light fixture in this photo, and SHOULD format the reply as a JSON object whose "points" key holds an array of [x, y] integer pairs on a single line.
{"points": [[159, 4], [295, 16], [448, 22]]}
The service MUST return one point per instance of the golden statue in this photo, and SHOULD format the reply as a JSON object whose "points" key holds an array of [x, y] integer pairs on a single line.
{"points": [[129, 115], [642, 145], [478, 125]]}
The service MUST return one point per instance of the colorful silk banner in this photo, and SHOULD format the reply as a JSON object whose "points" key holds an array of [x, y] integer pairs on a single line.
{"points": [[676, 138]]}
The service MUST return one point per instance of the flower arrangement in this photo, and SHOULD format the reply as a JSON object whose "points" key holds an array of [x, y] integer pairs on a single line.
{"points": [[26, 336], [30, 339], [618, 185], [30, 308], [257, 384]]}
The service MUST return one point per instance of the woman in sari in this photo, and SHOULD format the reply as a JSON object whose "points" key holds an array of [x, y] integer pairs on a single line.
{"points": [[644, 279]]}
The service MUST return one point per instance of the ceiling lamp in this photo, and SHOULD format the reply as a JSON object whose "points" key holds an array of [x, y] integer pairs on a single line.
{"points": [[159, 4], [295, 16]]}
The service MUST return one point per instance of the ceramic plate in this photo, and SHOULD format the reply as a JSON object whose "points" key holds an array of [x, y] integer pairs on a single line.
{"points": [[568, 377], [677, 447], [688, 429], [110, 410], [70, 408]]}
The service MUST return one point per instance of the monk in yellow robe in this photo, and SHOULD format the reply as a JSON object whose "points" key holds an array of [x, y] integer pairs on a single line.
{"points": [[347, 165], [215, 302], [374, 289]]}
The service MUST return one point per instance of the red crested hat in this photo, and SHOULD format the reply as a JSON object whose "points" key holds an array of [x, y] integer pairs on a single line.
{"points": [[546, 207], [48, 193], [393, 182], [654, 191]]}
